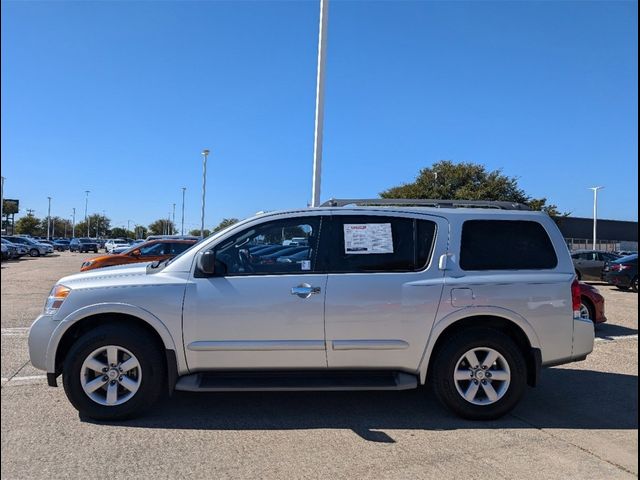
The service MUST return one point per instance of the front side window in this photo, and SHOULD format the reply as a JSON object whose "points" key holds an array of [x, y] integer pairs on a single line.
{"points": [[277, 247], [506, 245], [153, 250], [360, 244]]}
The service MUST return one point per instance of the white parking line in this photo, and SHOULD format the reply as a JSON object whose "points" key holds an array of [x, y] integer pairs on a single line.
{"points": [[616, 338], [26, 380], [15, 332]]}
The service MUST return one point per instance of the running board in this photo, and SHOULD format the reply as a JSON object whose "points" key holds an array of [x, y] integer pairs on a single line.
{"points": [[295, 381]]}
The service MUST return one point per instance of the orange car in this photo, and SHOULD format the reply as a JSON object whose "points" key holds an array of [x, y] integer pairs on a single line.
{"points": [[144, 252]]}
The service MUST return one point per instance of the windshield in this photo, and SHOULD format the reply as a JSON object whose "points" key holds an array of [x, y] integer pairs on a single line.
{"points": [[627, 259], [86, 240]]}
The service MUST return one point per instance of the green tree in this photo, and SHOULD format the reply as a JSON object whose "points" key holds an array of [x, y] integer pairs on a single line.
{"points": [[162, 226], [467, 181], [29, 225], [226, 222], [118, 232], [99, 225], [196, 232]]}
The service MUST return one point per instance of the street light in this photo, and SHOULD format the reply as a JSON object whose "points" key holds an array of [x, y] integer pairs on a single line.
{"points": [[49, 220], [86, 203], [73, 228], [319, 120], [182, 223], [205, 154], [595, 213], [2, 205]]}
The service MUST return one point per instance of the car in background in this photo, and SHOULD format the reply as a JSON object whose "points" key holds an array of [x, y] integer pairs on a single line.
{"points": [[34, 248], [20, 250], [155, 250], [61, 245], [83, 245], [112, 243], [6, 251], [623, 273], [590, 263], [591, 304], [172, 237]]}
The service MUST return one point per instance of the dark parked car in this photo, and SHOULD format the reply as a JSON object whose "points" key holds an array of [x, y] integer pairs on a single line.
{"points": [[623, 273], [589, 263], [61, 245], [591, 304], [83, 245]]}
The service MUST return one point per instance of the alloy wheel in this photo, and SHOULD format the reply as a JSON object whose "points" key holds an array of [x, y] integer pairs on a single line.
{"points": [[482, 376]]}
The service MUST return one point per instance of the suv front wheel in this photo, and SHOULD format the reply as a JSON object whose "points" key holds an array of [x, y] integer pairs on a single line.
{"points": [[480, 374], [112, 372]]}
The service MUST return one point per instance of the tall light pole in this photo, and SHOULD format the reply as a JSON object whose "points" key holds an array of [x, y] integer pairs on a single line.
{"points": [[86, 204], [205, 154], [319, 120], [73, 227], [2, 204], [595, 213], [49, 220], [182, 223], [128, 224], [174, 217]]}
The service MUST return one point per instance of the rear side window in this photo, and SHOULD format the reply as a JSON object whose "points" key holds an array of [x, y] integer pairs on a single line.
{"points": [[506, 245], [358, 244]]}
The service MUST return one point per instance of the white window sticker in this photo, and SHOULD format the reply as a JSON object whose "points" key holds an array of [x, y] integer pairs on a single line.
{"points": [[305, 265], [367, 238]]}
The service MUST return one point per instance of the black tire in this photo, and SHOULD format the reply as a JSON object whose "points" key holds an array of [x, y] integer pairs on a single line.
{"points": [[95, 251], [34, 252], [138, 342], [447, 358], [579, 275], [634, 284], [622, 287]]}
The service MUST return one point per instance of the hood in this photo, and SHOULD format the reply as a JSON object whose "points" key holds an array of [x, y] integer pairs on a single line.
{"points": [[108, 276]]}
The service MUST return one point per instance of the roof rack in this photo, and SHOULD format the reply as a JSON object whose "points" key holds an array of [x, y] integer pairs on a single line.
{"points": [[343, 202]]}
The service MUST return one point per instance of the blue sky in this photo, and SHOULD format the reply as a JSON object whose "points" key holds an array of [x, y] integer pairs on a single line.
{"points": [[119, 98]]}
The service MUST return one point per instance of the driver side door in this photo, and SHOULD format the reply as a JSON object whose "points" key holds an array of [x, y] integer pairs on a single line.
{"points": [[259, 311]]}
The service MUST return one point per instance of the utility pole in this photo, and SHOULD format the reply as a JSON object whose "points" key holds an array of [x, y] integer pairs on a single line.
{"points": [[86, 204], [182, 223], [205, 154], [319, 119], [49, 220], [73, 225], [174, 215], [595, 213]]}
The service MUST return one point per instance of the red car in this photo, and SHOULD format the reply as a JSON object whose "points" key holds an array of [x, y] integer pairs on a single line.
{"points": [[592, 304]]}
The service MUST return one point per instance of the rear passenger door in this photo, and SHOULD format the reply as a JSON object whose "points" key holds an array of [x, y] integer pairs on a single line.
{"points": [[383, 288]]}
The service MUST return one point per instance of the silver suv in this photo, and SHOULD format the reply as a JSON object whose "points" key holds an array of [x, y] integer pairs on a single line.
{"points": [[377, 297]]}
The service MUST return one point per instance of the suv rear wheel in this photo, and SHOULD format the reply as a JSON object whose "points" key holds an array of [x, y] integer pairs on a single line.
{"points": [[113, 372], [479, 374], [34, 252]]}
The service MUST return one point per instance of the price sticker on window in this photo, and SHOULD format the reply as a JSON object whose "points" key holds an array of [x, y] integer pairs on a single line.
{"points": [[367, 238]]}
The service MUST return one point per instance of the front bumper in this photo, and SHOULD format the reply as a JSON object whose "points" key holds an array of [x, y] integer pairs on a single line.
{"points": [[583, 338], [39, 335]]}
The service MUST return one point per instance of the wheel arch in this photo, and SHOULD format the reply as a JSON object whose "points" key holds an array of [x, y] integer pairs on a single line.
{"points": [[505, 321], [86, 318]]}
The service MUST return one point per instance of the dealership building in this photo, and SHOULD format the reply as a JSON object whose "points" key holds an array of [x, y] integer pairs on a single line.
{"points": [[612, 235]]}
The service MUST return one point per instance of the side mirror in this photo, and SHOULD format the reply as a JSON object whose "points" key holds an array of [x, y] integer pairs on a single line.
{"points": [[206, 262]]}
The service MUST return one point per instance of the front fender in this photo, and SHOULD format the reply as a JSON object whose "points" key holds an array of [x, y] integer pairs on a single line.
{"points": [[464, 313], [111, 308]]}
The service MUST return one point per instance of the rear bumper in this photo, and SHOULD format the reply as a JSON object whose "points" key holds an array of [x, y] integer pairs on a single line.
{"points": [[618, 279], [583, 338]]}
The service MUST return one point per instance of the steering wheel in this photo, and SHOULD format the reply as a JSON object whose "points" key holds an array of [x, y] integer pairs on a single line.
{"points": [[245, 259]]}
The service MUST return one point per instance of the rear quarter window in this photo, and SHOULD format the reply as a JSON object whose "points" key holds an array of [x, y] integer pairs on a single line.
{"points": [[506, 245]]}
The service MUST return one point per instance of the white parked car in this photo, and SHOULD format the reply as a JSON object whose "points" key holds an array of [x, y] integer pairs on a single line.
{"points": [[111, 244], [473, 300]]}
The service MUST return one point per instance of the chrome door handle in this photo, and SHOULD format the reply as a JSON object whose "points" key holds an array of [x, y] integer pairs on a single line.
{"points": [[305, 290]]}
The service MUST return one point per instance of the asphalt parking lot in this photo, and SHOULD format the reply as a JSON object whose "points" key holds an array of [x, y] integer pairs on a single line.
{"points": [[580, 422]]}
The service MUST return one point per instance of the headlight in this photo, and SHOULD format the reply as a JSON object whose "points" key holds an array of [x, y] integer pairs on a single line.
{"points": [[55, 299], [88, 263]]}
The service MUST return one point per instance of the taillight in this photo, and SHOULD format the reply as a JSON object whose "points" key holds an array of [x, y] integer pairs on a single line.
{"points": [[616, 267], [575, 298]]}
